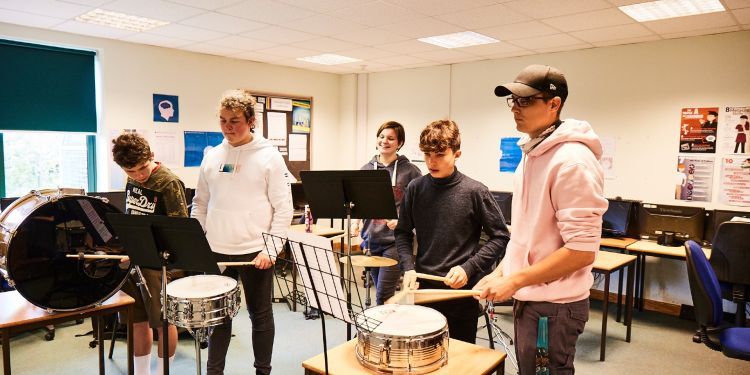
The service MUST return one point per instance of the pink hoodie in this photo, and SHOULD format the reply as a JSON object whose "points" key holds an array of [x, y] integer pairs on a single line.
{"points": [[558, 200]]}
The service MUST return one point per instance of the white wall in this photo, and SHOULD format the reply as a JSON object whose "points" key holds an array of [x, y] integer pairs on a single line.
{"points": [[131, 73], [633, 93]]}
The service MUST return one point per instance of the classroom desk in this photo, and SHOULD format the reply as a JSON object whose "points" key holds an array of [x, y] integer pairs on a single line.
{"points": [[606, 263], [463, 358], [644, 248], [617, 242], [18, 315], [318, 229]]}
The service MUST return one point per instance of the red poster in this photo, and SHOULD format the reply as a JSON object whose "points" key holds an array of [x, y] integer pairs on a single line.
{"points": [[698, 129]]}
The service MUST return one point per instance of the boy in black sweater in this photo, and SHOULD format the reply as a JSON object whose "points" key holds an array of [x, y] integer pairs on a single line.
{"points": [[449, 211]]}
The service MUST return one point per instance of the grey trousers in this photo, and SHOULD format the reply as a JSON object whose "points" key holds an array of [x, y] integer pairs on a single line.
{"points": [[565, 323], [258, 286]]}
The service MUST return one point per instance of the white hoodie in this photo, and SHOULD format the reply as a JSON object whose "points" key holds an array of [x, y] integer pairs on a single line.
{"points": [[242, 193]]}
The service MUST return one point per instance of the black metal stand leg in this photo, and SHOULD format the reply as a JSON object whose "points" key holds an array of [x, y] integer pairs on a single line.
{"points": [[100, 340], [164, 324]]}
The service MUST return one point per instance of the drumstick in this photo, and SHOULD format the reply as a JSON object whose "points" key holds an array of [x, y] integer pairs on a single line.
{"points": [[229, 264], [452, 292], [96, 256], [430, 277]]}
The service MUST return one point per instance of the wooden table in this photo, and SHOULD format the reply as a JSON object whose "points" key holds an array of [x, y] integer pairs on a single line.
{"points": [[606, 263], [463, 358], [617, 242], [17, 315], [320, 230], [644, 248]]}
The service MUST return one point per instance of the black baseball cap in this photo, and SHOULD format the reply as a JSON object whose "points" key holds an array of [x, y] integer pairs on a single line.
{"points": [[535, 79]]}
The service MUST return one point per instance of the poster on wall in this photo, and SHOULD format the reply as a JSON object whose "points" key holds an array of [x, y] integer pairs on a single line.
{"points": [[301, 116], [735, 130], [694, 178], [510, 154], [197, 144], [698, 130], [166, 108], [734, 189], [608, 157]]}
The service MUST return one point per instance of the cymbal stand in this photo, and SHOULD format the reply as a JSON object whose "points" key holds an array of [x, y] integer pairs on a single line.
{"points": [[498, 335]]}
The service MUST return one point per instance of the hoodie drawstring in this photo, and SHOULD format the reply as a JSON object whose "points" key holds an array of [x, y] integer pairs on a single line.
{"points": [[395, 169]]}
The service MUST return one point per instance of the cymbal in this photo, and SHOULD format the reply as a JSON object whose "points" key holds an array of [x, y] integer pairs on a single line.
{"points": [[369, 261]]}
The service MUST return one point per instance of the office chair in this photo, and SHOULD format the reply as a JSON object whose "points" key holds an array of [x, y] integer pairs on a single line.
{"points": [[730, 260], [704, 288]]}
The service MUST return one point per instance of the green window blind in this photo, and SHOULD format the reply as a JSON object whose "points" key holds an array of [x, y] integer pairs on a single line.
{"points": [[46, 88]]}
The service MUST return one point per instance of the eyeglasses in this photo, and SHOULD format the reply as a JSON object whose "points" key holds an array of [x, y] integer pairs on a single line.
{"points": [[522, 101]]}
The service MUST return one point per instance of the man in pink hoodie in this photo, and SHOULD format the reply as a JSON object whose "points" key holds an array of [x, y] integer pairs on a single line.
{"points": [[557, 212]]}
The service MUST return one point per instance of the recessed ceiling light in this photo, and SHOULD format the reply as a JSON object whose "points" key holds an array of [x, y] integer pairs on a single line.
{"points": [[663, 9], [457, 40], [119, 20], [328, 59]]}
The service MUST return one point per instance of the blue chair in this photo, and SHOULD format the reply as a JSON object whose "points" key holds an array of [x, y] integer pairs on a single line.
{"points": [[704, 288], [730, 260]]}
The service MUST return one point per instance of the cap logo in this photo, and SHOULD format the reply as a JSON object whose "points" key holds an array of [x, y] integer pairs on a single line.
{"points": [[552, 87]]}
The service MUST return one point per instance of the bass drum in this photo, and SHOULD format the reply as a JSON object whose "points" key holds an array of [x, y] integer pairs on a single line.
{"points": [[38, 230]]}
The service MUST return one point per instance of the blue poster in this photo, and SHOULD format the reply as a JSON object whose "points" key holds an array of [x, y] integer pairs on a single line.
{"points": [[197, 143], [166, 108], [510, 154]]}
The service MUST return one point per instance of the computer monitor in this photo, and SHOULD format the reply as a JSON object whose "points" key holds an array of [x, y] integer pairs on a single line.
{"points": [[5, 202], [116, 198], [716, 218], [504, 200], [671, 225], [616, 219], [298, 196]]}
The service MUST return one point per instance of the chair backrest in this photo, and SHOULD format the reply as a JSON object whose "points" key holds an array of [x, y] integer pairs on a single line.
{"points": [[730, 255], [704, 287]]}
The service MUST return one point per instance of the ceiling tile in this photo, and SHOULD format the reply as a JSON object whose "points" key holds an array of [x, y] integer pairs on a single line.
{"points": [[324, 5], [613, 33], [686, 24], [708, 31], [589, 20], [211, 49], [409, 46], [615, 42], [549, 41], [364, 66], [375, 13], [91, 29], [551, 8], [91, 3], [222, 23], [279, 35], [207, 4], [28, 19], [267, 11], [518, 30], [371, 36], [156, 9], [323, 25], [49, 8], [436, 7], [743, 15], [326, 45], [257, 56], [495, 15], [735, 4], [156, 40], [422, 27], [366, 53], [571, 47], [186, 32], [241, 43], [491, 49], [447, 56], [510, 54], [401, 60], [289, 51]]}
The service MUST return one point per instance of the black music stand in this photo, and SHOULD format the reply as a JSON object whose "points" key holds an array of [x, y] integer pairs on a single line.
{"points": [[165, 242], [350, 194]]}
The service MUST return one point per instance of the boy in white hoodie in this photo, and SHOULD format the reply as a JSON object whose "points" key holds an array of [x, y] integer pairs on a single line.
{"points": [[558, 205], [243, 191]]}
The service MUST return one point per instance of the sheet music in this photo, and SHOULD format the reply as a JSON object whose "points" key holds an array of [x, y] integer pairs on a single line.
{"points": [[324, 269], [95, 219]]}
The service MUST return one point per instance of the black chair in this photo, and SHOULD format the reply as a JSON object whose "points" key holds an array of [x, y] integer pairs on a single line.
{"points": [[730, 259], [734, 342]]}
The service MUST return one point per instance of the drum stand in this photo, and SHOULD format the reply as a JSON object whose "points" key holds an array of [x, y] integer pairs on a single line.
{"points": [[497, 334]]}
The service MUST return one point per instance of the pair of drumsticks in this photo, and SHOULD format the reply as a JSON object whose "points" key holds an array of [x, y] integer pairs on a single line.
{"points": [[121, 257], [412, 296]]}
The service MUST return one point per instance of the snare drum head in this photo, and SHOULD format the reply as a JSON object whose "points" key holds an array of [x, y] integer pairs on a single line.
{"points": [[401, 320], [40, 229], [201, 286]]}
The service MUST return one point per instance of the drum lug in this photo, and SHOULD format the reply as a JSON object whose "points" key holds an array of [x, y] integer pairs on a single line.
{"points": [[385, 353]]}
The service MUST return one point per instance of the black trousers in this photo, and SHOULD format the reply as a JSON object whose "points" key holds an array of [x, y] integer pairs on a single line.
{"points": [[462, 314], [258, 287]]}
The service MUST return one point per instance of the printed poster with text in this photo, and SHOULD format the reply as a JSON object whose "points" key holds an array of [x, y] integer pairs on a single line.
{"points": [[734, 189], [694, 178], [698, 130], [735, 130]]}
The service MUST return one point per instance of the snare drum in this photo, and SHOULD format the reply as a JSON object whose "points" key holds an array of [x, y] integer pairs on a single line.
{"points": [[38, 230], [202, 301], [402, 339]]}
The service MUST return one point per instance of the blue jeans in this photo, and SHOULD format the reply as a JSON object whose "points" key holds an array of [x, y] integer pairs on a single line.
{"points": [[385, 278]]}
